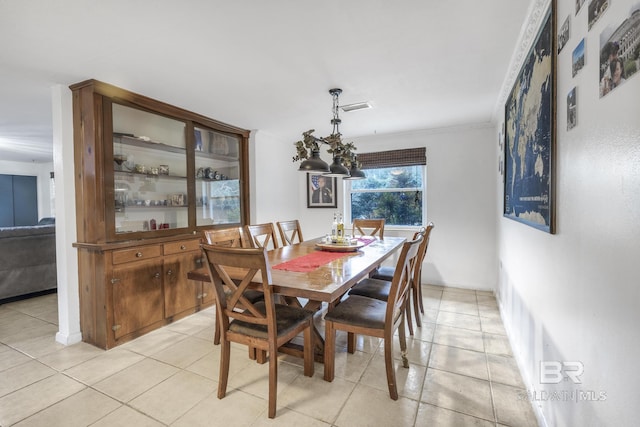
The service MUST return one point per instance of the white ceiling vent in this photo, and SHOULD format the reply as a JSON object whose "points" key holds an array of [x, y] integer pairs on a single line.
{"points": [[356, 106]]}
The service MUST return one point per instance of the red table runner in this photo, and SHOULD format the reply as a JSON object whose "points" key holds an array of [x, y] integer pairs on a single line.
{"points": [[310, 262]]}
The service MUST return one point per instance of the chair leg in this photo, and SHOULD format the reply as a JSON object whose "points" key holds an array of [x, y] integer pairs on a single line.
{"points": [[416, 306], [261, 356], [420, 296], [402, 336], [225, 355], [329, 351], [273, 382], [309, 351], [351, 342], [391, 373], [216, 334], [407, 311]]}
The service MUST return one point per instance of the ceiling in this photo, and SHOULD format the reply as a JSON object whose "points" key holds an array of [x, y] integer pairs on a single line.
{"points": [[265, 65]]}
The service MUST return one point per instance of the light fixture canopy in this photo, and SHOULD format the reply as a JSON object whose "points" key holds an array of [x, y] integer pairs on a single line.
{"points": [[308, 149]]}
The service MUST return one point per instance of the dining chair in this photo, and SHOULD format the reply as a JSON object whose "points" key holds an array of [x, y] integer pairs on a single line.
{"points": [[260, 235], [373, 317], [386, 273], [263, 325], [369, 227], [290, 232], [230, 238]]}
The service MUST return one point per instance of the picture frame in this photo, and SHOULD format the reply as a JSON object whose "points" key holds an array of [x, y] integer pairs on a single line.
{"points": [[322, 191], [530, 128]]}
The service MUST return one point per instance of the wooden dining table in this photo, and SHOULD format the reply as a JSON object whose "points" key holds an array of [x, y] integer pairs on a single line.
{"points": [[325, 283]]}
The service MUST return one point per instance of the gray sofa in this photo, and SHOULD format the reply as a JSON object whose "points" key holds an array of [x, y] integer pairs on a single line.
{"points": [[27, 260]]}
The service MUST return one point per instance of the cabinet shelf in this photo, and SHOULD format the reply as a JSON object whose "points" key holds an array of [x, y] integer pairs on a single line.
{"points": [[152, 145], [148, 175], [214, 156]]}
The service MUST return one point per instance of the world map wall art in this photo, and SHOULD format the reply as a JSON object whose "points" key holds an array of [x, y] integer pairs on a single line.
{"points": [[530, 134]]}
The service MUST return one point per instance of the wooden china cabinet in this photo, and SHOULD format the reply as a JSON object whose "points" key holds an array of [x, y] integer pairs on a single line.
{"points": [[149, 178]]}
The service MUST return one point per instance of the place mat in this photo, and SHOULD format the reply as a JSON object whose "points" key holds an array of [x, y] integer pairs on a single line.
{"points": [[309, 262]]}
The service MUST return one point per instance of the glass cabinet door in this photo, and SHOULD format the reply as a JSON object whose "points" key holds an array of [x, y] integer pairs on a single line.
{"points": [[149, 171], [217, 166]]}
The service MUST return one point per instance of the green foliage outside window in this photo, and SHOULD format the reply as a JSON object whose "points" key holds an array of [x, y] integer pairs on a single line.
{"points": [[394, 194]]}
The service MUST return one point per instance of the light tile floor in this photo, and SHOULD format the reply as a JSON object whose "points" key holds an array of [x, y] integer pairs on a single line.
{"points": [[462, 373]]}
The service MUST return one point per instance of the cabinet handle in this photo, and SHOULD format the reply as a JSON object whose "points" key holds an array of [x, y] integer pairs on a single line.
{"points": [[156, 276], [114, 281], [183, 247], [138, 254], [199, 261], [199, 296], [170, 272], [204, 294]]}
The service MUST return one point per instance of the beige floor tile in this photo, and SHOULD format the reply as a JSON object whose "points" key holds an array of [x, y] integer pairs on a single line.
{"points": [[464, 321], [315, 397], [417, 350], [470, 308], [125, 416], [208, 366], [103, 366], [38, 346], [513, 408], [71, 356], [459, 361], [286, 417], [504, 370], [31, 399], [431, 299], [154, 341], [490, 312], [136, 379], [237, 408], [20, 336], [459, 393], [450, 295], [22, 375], [371, 407], [86, 406], [254, 378], [424, 332], [429, 315], [432, 287], [458, 337], [349, 366], [486, 293], [492, 326], [191, 324], [497, 344], [363, 343], [487, 300], [173, 397], [409, 381], [185, 352], [434, 416], [10, 358]]}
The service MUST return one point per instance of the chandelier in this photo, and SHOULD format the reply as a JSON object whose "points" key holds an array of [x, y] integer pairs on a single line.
{"points": [[345, 162]]}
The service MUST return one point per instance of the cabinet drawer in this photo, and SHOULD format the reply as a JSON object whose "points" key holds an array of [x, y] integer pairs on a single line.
{"points": [[183, 246], [136, 254]]}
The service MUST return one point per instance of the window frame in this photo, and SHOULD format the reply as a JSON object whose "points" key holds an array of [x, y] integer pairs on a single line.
{"points": [[348, 191]]}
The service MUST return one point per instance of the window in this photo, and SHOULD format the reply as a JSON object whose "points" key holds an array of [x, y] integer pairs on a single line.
{"points": [[394, 188]]}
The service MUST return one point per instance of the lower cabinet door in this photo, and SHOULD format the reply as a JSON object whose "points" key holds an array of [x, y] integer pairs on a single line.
{"points": [[137, 296], [180, 293]]}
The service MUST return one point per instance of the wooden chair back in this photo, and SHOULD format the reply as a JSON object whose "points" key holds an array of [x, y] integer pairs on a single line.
{"points": [[290, 232], [260, 235], [369, 227], [228, 237], [235, 305], [402, 279]]}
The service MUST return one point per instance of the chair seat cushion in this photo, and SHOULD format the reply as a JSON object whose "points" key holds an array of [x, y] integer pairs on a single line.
{"points": [[372, 288], [359, 311], [287, 318], [384, 273], [250, 294]]}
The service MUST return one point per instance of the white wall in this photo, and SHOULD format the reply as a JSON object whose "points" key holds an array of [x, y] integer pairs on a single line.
{"points": [[42, 173], [461, 167], [574, 296]]}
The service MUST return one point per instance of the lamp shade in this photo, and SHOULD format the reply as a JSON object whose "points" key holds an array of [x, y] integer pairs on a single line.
{"points": [[314, 164], [355, 173], [337, 168]]}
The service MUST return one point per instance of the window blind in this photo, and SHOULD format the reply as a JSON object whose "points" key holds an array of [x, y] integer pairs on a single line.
{"points": [[393, 158]]}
